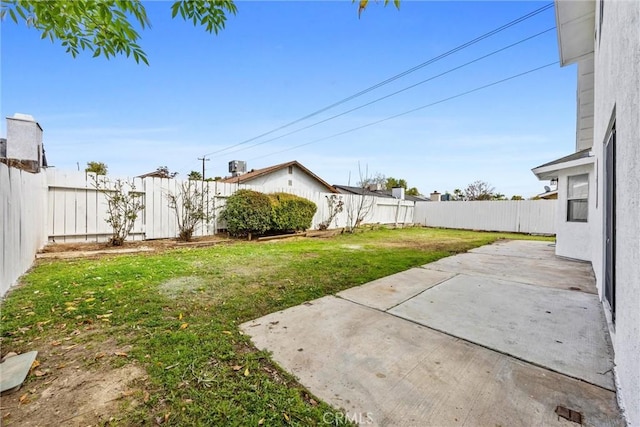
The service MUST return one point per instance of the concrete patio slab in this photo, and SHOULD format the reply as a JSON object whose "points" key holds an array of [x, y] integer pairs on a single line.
{"points": [[560, 330], [383, 370], [519, 248], [550, 272], [392, 290], [14, 370]]}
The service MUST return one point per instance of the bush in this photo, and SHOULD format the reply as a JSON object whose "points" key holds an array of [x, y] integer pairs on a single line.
{"points": [[290, 212], [251, 212], [247, 212]]}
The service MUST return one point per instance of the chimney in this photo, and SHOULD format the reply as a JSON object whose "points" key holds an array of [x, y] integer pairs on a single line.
{"points": [[435, 196], [374, 187], [24, 140], [398, 193]]}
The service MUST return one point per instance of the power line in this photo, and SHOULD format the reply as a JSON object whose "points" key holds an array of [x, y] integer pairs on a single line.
{"points": [[395, 93], [397, 76], [410, 111]]}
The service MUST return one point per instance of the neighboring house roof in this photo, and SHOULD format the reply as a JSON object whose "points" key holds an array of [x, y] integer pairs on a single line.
{"points": [[256, 173], [346, 189], [155, 174], [548, 195], [550, 170]]}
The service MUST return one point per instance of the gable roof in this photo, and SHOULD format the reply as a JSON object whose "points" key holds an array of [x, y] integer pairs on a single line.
{"points": [[256, 173], [550, 170]]}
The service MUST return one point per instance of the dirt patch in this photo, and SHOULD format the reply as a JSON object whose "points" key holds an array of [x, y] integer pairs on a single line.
{"points": [[352, 247], [73, 385], [157, 245], [174, 287]]}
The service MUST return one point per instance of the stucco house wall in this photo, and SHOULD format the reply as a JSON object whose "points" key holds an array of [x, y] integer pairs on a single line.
{"points": [[573, 239], [282, 179], [24, 138], [617, 95]]}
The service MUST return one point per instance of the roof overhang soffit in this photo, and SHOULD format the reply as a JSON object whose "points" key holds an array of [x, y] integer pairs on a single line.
{"points": [[575, 21]]}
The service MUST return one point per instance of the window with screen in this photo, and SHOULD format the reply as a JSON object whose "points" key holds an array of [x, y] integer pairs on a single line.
{"points": [[578, 198]]}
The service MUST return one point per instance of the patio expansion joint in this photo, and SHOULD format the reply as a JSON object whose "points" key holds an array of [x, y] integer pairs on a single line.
{"points": [[502, 278], [421, 292], [528, 362]]}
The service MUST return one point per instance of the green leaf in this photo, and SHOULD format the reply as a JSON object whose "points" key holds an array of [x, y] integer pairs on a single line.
{"points": [[175, 8]]}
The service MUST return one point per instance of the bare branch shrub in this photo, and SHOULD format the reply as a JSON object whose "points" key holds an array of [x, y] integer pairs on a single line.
{"points": [[124, 204], [336, 205], [191, 205], [359, 206]]}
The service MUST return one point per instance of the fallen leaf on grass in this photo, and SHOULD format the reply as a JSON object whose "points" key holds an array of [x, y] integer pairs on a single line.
{"points": [[227, 332], [180, 316], [236, 367], [184, 326], [24, 399], [146, 397], [246, 372], [55, 343], [35, 364], [127, 393], [261, 422], [103, 316], [163, 419], [99, 355], [39, 373], [121, 354], [286, 417]]}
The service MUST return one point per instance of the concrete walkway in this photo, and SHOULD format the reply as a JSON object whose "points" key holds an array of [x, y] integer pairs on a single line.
{"points": [[501, 335]]}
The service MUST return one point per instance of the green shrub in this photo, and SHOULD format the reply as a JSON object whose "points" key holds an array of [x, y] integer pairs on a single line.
{"points": [[290, 212], [247, 212]]}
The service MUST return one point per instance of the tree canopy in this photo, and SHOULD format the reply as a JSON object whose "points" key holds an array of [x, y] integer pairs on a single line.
{"points": [[108, 27], [195, 176], [111, 27], [388, 183], [99, 168]]}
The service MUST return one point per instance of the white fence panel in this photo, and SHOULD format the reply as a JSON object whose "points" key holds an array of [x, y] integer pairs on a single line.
{"points": [[519, 216], [78, 210], [23, 207]]}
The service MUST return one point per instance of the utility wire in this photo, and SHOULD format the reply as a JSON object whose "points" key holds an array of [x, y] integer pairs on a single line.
{"points": [[394, 93], [411, 111], [395, 77]]}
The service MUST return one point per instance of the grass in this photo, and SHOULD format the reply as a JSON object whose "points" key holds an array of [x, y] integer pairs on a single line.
{"points": [[178, 313]]}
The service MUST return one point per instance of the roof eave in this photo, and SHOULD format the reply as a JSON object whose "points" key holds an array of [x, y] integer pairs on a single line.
{"points": [[575, 25], [544, 173]]}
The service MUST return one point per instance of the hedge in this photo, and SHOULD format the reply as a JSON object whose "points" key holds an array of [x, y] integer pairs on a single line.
{"points": [[247, 212], [290, 212], [252, 212]]}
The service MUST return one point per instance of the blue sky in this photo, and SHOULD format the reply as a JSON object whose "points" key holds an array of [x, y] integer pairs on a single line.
{"points": [[279, 61]]}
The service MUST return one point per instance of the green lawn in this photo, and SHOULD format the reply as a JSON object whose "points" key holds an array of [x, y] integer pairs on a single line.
{"points": [[178, 312]]}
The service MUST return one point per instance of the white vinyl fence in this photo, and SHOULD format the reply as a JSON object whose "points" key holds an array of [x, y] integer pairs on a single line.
{"points": [[61, 206], [23, 199], [77, 210], [519, 216]]}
